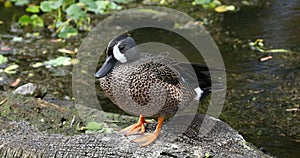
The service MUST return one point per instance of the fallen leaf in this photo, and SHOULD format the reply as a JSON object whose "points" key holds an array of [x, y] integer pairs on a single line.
{"points": [[11, 69], [293, 109], [63, 50], [265, 58], [38, 64], [16, 82], [55, 40], [5, 48], [224, 8]]}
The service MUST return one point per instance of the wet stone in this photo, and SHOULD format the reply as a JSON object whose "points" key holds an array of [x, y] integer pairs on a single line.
{"points": [[31, 89]]}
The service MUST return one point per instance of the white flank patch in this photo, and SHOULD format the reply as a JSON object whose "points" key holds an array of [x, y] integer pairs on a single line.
{"points": [[199, 92], [118, 55]]}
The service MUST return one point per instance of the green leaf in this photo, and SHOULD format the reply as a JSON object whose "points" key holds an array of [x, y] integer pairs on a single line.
{"points": [[36, 21], [93, 126], [47, 6], [24, 20], [3, 59], [200, 2], [122, 1], [104, 7], [59, 61], [33, 9], [89, 3], [17, 39], [11, 69], [20, 2], [68, 2], [113, 6], [67, 32], [38, 64], [75, 12]]}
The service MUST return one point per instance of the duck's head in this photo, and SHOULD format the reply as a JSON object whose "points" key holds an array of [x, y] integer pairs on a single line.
{"points": [[123, 49]]}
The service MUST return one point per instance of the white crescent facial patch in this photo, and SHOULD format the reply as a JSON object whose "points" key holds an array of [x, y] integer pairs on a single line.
{"points": [[118, 55]]}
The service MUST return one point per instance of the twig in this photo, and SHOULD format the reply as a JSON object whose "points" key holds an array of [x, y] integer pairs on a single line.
{"points": [[293, 110], [45, 104], [73, 120], [3, 101]]}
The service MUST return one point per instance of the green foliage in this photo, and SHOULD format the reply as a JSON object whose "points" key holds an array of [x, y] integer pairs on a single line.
{"points": [[24, 20], [96, 127], [3, 59], [20, 2], [67, 32], [207, 4], [69, 15], [36, 21], [93, 126], [59, 61], [47, 6], [33, 20], [11, 69], [75, 12], [33, 9]]}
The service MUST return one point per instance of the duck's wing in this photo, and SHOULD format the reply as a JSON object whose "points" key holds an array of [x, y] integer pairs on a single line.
{"points": [[191, 74]]}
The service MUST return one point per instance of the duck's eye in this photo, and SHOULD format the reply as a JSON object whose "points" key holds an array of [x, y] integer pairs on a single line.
{"points": [[121, 47]]}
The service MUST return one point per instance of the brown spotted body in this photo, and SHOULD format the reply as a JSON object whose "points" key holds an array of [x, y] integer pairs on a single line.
{"points": [[146, 87]]}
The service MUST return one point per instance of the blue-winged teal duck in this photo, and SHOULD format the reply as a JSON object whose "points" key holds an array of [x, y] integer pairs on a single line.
{"points": [[138, 82]]}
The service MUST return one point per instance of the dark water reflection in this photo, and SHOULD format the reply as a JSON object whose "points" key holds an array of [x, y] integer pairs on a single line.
{"points": [[260, 92]]}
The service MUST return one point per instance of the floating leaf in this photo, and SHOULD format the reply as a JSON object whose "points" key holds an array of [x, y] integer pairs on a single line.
{"points": [[59, 61], [11, 69], [265, 58], [224, 8], [16, 82], [63, 50], [17, 39], [38, 64], [5, 48], [199, 2], [33, 9], [20, 2], [3, 59], [258, 44]]}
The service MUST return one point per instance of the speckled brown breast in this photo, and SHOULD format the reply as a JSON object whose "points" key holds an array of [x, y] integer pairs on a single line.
{"points": [[148, 87]]}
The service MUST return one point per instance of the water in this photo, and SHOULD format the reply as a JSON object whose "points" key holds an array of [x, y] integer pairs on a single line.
{"points": [[260, 92]]}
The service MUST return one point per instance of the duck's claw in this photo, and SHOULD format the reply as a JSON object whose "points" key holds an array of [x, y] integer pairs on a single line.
{"points": [[146, 139], [138, 128], [149, 138]]}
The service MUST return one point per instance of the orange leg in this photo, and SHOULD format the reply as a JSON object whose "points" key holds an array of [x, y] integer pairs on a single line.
{"points": [[148, 138], [133, 129]]}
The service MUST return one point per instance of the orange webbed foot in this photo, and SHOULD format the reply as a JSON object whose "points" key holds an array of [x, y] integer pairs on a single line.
{"points": [[146, 139], [135, 128], [149, 138]]}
